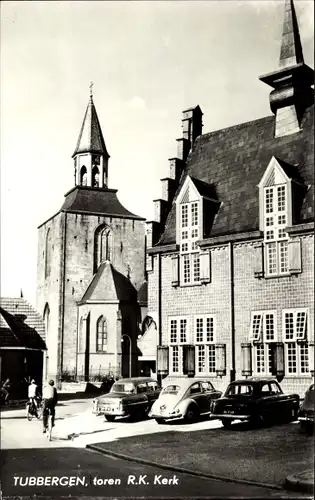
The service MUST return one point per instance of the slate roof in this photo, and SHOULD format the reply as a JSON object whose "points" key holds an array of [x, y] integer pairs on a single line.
{"points": [[109, 285], [20, 325], [83, 199], [91, 138], [233, 161]]}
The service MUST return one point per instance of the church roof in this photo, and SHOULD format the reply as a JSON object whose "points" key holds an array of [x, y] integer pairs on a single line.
{"points": [[91, 138], [108, 285], [233, 161], [83, 199], [20, 325]]}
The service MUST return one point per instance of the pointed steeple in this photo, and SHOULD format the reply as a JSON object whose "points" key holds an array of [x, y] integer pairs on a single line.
{"points": [[291, 52], [292, 82], [90, 155]]}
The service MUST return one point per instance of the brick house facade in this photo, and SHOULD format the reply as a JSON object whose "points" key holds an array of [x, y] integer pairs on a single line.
{"points": [[91, 264], [230, 250]]}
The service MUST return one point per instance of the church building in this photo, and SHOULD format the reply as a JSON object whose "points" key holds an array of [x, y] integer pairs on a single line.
{"points": [[230, 255], [90, 271]]}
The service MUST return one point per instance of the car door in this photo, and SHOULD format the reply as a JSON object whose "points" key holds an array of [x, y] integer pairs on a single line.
{"points": [[153, 391], [196, 393], [210, 394], [282, 404]]}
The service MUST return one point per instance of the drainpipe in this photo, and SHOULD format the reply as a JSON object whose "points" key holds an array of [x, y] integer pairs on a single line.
{"points": [[63, 284], [159, 376], [232, 311]]}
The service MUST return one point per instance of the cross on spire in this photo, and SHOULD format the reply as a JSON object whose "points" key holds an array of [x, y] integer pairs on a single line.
{"points": [[91, 89]]}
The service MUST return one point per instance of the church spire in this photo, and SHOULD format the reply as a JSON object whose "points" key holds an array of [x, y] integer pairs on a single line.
{"points": [[90, 155], [293, 79], [291, 52]]}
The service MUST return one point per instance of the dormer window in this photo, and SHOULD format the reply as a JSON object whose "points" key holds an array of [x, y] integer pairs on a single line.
{"points": [[275, 193], [275, 235], [189, 235]]}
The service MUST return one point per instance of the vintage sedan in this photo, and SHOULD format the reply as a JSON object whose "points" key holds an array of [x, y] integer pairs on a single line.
{"points": [[306, 413], [131, 397], [256, 400], [186, 398]]}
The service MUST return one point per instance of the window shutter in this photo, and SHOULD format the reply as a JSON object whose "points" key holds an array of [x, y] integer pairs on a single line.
{"points": [[205, 269], [295, 260], [175, 270], [259, 261]]}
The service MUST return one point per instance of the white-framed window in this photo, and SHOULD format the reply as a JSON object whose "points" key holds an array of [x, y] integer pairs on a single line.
{"points": [[189, 234], [275, 222], [262, 334], [178, 334], [204, 333], [101, 334], [295, 341]]}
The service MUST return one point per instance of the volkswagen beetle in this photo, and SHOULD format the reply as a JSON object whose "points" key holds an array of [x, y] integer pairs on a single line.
{"points": [[184, 398], [306, 413]]}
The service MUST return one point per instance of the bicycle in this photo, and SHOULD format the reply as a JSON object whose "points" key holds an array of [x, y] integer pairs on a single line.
{"points": [[49, 425], [33, 411]]}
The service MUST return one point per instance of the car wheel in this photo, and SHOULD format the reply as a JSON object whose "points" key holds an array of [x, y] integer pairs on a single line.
{"points": [[160, 421], [109, 418], [227, 424], [192, 414]]}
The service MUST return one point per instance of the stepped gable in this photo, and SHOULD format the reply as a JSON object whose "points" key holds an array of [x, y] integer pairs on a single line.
{"points": [[108, 285], [233, 160], [89, 200], [20, 325]]}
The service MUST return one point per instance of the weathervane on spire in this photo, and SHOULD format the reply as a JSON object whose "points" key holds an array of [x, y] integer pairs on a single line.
{"points": [[91, 89]]}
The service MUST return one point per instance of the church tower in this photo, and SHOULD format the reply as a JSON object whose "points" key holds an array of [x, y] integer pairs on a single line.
{"points": [[91, 262]]}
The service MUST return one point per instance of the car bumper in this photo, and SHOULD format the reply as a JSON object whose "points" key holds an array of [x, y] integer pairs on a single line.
{"points": [[306, 419], [230, 416], [165, 416]]}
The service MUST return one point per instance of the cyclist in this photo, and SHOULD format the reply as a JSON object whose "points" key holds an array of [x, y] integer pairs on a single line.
{"points": [[5, 390], [49, 402], [33, 393]]}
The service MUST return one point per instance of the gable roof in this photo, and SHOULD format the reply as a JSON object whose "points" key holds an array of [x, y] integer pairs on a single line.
{"points": [[108, 285], [20, 325], [96, 201], [233, 161]]}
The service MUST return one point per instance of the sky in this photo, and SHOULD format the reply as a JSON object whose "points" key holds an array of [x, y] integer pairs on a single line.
{"points": [[148, 61]]}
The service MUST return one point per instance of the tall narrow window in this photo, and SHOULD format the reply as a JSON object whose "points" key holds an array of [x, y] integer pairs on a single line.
{"points": [[262, 334], [275, 223], [178, 336], [48, 249], [295, 341], [205, 345], [101, 334], [83, 176], [102, 246], [46, 318], [189, 235]]}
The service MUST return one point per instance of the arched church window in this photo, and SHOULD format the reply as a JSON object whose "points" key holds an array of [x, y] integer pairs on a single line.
{"points": [[83, 176], [102, 246], [95, 177], [48, 249], [101, 334], [46, 318]]}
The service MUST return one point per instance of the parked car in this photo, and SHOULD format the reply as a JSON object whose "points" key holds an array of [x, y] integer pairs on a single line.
{"points": [[257, 400], [131, 397], [186, 398], [306, 413]]}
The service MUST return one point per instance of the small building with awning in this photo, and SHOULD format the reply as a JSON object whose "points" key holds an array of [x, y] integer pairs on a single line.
{"points": [[22, 343]]}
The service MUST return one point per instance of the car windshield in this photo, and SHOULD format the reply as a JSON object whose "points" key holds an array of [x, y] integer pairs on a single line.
{"points": [[241, 389], [171, 389], [128, 387]]}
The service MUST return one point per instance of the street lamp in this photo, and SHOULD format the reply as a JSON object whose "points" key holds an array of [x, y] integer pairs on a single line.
{"points": [[122, 339]]}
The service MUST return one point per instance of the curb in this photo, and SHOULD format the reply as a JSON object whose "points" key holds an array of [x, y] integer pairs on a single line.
{"points": [[182, 470], [302, 481]]}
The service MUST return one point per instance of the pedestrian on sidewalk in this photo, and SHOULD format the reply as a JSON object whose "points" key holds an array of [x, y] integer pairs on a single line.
{"points": [[5, 390]]}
